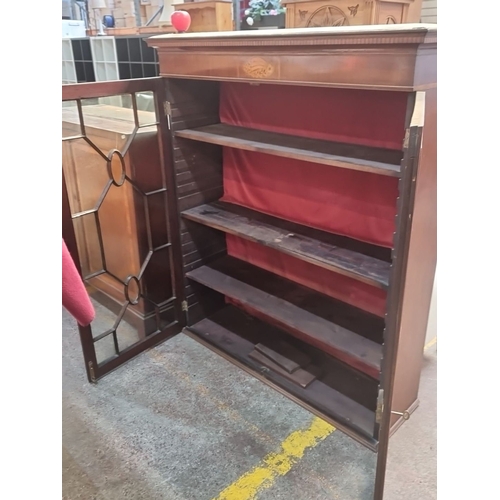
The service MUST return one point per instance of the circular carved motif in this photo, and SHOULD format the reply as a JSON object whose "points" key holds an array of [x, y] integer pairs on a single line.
{"points": [[327, 15], [390, 20], [258, 68]]}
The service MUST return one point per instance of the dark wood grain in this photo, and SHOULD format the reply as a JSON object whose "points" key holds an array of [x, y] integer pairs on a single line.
{"points": [[228, 331], [198, 173], [226, 277], [247, 225], [354, 157]]}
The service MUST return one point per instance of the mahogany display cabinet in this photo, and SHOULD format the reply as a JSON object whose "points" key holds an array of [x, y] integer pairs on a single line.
{"points": [[295, 185]]}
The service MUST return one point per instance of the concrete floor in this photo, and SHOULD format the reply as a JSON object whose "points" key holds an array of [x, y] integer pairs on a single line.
{"points": [[179, 422]]}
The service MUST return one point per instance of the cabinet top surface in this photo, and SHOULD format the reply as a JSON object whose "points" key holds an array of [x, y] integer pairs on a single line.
{"points": [[369, 34]]}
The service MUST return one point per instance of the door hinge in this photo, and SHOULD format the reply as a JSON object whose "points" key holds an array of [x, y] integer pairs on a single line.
{"points": [[184, 305], [168, 113], [380, 406], [92, 372]]}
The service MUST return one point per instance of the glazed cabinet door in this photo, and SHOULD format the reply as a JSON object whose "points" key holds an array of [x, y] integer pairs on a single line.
{"points": [[120, 219]]}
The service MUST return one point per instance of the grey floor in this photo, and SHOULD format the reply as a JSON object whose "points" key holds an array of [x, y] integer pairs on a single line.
{"points": [[179, 422]]}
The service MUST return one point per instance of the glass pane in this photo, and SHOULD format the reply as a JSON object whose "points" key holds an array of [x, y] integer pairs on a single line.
{"points": [[105, 318], [158, 275], [127, 333], [86, 174], [146, 108], [89, 248], [70, 121], [105, 349], [158, 218], [108, 121], [122, 220], [145, 162]]}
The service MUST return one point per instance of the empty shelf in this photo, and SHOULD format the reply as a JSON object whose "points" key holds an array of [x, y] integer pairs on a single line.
{"points": [[265, 230], [230, 332], [249, 286], [354, 157]]}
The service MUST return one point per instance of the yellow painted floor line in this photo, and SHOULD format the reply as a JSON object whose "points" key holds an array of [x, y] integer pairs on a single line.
{"points": [[277, 464], [430, 343]]}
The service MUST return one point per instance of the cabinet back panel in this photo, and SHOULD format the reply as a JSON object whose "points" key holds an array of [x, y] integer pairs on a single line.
{"points": [[355, 204], [364, 117], [330, 283]]}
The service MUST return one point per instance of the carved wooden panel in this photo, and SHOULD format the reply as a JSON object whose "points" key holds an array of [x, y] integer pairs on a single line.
{"points": [[324, 13], [390, 13]]}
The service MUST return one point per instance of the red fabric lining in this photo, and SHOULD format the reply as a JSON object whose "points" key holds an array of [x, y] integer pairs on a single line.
{"points": [[367, 117], [350, 203], [335, 285]]}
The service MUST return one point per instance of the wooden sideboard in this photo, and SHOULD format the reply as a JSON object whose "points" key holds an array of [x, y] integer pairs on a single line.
{"points": [[323, 13]]}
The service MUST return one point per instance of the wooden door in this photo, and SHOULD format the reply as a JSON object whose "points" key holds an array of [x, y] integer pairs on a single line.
{"points": [[392, 382], [120, 218]]}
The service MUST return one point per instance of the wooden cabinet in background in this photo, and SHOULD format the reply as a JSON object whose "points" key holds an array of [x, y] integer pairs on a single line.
{"points": [[209, 15], [324, 13]]}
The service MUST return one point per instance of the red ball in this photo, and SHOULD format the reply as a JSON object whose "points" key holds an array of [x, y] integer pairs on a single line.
{"points": [[181, 20]]}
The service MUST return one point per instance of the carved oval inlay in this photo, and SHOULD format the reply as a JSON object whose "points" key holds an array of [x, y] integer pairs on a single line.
{"points": [[258, 68]]}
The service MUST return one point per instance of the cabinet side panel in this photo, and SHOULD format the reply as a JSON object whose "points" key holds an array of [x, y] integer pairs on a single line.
{"points": [[198, 172], [420, 271]]}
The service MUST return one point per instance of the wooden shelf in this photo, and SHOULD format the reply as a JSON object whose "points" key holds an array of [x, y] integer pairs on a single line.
{"points": [[231, 333], [266, 230], [296, 309], [354, 157]]}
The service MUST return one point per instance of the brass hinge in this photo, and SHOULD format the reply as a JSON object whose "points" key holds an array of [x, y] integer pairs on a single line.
{"points": [[380, 406], [184, 305], [92, 372], [168, 113]]}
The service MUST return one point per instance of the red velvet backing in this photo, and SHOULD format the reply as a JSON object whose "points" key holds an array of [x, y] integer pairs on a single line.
{"points": [[350, 203], [367, 117], [335, 285]]}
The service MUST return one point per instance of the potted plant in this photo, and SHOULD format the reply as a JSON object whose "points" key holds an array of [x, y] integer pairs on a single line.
{"points": [[264, 14]]}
